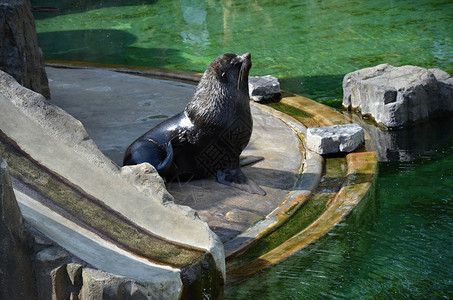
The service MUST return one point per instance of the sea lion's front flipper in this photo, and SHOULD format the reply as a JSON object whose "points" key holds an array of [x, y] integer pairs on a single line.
{"points": [[237, 179], [166, 165], [250, 160]]}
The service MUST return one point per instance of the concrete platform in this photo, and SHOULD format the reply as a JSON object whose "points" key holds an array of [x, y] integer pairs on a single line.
{"points": [[116, 108], [257, 231]]}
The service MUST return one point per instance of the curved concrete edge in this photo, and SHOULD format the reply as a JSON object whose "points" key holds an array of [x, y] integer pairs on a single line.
{"points": [[316, 114], [53, 142], [309, 176], [360, 178]]}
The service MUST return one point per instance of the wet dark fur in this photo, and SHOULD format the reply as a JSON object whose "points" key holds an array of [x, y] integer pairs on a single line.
{"points": [[207, 138]]}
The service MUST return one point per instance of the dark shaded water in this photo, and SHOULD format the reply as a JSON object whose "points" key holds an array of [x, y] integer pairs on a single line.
{"points": [[401, 247]]}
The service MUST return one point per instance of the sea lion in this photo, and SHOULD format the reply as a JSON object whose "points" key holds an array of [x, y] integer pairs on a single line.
{"points": [[207, 138]]}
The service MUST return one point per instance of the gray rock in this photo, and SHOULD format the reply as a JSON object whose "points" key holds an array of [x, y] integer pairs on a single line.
{"points": [[20, 55], [145, 177], [66, 281], [52, 256], [445, 82], [101, 285], [50, 266], [264, 89], [395, 96], [16, 274], [334, 139]]}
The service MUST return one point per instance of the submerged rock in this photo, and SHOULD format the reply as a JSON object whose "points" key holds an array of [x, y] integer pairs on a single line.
{"points": [[264, 89], [334, 139], [395, 96]]}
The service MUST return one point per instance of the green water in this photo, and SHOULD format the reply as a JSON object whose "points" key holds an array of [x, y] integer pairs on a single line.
{"points": [[399, 249], [309, 45], [402, 248]]}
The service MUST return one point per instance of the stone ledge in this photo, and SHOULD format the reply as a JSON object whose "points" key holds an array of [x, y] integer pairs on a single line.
{"points": [[360, 177], [102, 257]]}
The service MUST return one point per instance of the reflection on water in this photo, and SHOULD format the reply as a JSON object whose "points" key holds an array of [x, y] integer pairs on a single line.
{"points": [[194, 13], [408, 143]]}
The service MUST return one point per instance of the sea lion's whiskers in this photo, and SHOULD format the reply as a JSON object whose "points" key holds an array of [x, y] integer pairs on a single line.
{"points": [[241, 73]]}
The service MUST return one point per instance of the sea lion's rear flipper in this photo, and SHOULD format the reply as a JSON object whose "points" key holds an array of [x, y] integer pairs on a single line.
{"points": [[237, 179], [250, 160]]}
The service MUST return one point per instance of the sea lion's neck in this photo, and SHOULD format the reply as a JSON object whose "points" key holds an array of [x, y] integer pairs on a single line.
{"points": [[216, 103]]}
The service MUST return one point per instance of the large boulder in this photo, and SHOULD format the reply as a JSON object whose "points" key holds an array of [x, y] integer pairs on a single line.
{"points": [[395, 96], [20, 55]]}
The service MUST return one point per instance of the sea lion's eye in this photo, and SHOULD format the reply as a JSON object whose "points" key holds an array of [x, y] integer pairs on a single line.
{"points": [[235, 62]]}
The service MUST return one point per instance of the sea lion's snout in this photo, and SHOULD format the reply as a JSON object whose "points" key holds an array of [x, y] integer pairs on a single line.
{"points": [[245, 63]]}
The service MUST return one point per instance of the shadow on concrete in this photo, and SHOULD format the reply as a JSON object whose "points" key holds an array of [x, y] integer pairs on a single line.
{"points": [[228, 210], [262, 176]]}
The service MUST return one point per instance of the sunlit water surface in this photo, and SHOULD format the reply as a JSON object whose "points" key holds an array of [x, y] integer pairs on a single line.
{"points": [[402, 247], [309, 45]]}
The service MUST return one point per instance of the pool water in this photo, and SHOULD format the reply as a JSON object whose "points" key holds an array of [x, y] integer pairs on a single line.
{"points": [[401, 248], [309, 45]]}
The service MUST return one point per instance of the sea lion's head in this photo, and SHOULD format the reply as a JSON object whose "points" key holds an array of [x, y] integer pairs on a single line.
{"points": [[222, 90], [231, 69]]}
